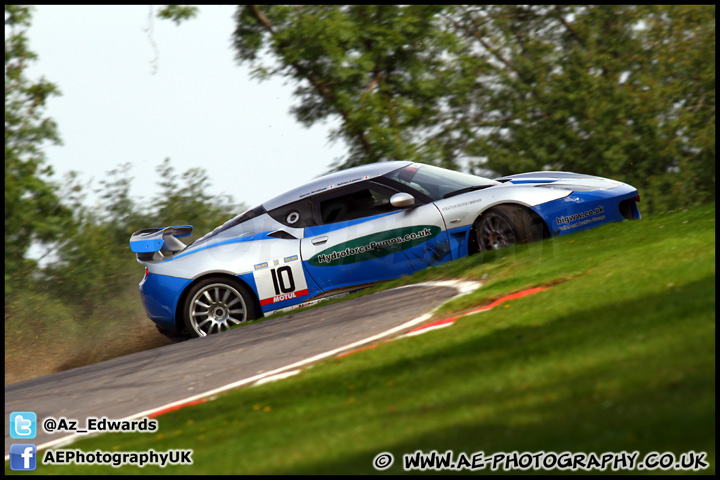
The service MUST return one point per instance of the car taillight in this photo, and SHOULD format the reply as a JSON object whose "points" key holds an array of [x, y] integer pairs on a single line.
{"points": [[147, 272]]}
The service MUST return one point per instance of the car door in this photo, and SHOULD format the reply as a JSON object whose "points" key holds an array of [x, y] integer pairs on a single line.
{"points": [[280, 278], [360, 238]]}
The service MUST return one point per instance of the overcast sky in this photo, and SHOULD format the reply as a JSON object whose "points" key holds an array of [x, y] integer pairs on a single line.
{"points": [[184, 98]]}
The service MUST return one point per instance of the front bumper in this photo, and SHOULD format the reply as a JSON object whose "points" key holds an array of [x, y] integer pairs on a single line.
{"points": [[587, 209]]}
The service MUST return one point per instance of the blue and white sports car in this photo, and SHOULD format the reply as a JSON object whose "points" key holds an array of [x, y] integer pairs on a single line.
{"points": [[356, 227]]}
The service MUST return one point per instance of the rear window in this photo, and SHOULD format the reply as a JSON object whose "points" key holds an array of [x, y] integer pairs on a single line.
{"points": [[243, 217], [295, 215]]}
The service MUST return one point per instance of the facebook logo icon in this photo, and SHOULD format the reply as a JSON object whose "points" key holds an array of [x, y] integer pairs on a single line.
{"points": [[23, 456]]}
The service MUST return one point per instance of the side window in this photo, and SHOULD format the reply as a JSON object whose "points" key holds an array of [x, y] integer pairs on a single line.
{"points": [[358, 202], [296, 215]]}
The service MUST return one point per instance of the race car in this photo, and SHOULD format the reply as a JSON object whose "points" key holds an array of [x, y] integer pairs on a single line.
{"points": [[353, 228]]}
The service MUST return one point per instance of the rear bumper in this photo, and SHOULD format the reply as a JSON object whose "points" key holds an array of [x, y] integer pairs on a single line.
{"points": [[160, 295]]}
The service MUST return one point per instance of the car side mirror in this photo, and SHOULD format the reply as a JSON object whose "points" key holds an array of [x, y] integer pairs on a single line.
{"points": [[402, 200]]}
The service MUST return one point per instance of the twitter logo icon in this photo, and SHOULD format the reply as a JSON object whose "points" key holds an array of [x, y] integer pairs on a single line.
{"points": [[23, 425]]}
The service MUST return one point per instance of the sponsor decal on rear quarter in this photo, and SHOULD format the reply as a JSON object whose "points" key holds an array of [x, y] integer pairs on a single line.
{"points": [[281, 283]]}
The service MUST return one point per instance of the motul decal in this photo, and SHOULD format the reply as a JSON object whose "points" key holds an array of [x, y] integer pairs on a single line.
{"points": [[280, 283]]}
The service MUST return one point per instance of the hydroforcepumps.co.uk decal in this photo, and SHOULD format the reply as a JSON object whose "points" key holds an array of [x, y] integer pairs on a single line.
{"points": [[374, 246]]}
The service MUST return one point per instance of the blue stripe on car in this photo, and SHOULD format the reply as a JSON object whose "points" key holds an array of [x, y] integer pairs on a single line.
{"points": [[330, 227], [257, 236]]}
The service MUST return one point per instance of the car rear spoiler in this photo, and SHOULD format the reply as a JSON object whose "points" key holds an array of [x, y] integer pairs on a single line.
{"points": [[148, 243]]}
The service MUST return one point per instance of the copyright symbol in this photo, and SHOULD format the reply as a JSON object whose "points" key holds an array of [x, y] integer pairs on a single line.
{"points": [[383, 461], [49, 425]]}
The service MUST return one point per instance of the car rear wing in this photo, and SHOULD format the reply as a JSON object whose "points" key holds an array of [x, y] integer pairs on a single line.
{"points": [[148, 243]]}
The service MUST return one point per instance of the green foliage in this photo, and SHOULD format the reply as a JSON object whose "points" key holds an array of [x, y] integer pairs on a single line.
{"points": [[188, 200], [624, 91], [381, 69], [178, 13], [32, 209], [83, 306], [86, 281], [93, 261]]}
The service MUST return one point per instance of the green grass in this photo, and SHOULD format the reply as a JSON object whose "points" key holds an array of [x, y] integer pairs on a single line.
{"points": [[618, 354]]}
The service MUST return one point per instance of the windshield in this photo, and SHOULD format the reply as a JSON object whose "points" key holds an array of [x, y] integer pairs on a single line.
{"points": [[438, 183]]}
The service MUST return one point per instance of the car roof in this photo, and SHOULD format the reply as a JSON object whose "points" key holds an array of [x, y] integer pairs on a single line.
{"points": [[334, 180]]}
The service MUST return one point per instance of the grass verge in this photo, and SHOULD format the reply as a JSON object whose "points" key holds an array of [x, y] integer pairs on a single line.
{"points": [[617, 355]]}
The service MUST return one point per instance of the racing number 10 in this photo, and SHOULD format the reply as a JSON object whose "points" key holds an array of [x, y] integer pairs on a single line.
{"points": [[283, 283], [280, 283]]}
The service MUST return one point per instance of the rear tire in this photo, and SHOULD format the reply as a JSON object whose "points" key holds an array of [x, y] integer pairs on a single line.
{"points": [[215, 304], [505, 225]]}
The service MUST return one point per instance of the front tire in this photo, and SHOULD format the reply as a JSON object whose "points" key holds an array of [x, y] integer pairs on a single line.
{"points": [[505, 225], [216, 304]]}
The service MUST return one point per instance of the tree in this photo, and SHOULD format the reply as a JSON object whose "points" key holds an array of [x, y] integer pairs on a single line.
{"points": [[623, 91], [404, 85], [620, 91], [32, 208], [681, 40], [381, 69], [93, 262], [188, 199]]}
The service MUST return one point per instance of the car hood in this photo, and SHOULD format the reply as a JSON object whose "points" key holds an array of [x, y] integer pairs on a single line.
{"points": [[564, 180]]}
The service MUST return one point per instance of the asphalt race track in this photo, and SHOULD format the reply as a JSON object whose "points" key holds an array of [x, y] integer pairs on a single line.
{"points": [[127, 386]]}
